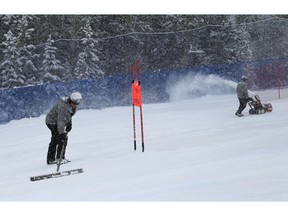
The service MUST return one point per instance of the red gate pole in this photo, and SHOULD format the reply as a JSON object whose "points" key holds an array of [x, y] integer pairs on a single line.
{"points": [[133, 110], [141, 116], [142, 132]]}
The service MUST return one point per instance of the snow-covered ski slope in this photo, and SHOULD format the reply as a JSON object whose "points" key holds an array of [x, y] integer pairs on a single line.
{"points": [[195, 150]]}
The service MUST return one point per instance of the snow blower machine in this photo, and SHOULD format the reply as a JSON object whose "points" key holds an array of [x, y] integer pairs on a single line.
{"points": [[256, 107]]}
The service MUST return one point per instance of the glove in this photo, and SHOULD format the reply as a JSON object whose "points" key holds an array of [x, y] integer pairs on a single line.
{"points": [[249, 99], [68, 127]]}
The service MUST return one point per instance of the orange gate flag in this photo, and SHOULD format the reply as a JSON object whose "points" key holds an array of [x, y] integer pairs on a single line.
{"points": [[136, 94]]}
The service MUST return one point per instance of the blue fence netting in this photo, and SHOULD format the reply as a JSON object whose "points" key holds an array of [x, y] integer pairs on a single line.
{"points": [[108, 91]]}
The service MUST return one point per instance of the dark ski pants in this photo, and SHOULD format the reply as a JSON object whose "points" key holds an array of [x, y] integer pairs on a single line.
{"points": [[58, 141], [242, 104]]}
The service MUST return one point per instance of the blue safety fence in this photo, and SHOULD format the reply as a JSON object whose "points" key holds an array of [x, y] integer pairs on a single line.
{"points": [[108, 91]]}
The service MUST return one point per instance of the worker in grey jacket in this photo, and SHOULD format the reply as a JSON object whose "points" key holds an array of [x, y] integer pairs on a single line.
{"points": [[59, 121], [243, 96]]}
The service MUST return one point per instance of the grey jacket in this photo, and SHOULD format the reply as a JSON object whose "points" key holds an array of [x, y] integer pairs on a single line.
{"points": [[242, 90], [60, 115]]}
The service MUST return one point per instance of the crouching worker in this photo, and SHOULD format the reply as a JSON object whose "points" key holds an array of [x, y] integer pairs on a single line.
{"points": [[59, 121]]}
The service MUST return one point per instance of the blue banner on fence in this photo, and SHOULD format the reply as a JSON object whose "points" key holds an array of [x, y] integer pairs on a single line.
{"points": [[108, 91]]}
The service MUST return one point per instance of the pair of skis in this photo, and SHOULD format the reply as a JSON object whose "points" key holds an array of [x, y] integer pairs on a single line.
{"points": [[57, 173]]}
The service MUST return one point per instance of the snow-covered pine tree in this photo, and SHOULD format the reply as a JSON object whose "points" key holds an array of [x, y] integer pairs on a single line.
{"points": [[51, 67], [88, 62], [10, 68], [239, 38], [28, 55], [67, 72], [20, 26]]}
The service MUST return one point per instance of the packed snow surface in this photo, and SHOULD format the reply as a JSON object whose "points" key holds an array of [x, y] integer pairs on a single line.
{"points": [[195, 150]]}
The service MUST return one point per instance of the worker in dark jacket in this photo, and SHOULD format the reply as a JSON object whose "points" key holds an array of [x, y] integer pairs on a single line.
{"points": [[243, 96], [59, 121]]}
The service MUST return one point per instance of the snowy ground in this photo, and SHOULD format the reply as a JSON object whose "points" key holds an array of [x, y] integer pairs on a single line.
{"points": [[195, 150]]}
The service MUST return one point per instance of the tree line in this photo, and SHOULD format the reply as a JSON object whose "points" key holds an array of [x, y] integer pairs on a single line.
{"points": [[38, 49]]}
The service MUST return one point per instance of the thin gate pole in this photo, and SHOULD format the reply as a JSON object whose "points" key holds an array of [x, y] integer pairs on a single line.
{"points": [[133, 110], [141, 116]]}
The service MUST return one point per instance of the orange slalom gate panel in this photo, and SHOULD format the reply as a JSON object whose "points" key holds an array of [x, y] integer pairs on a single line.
{"points": [[136, 94]]}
